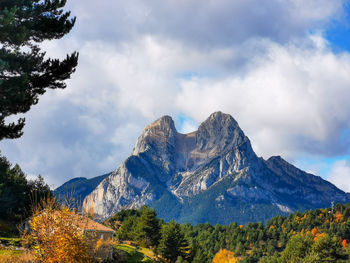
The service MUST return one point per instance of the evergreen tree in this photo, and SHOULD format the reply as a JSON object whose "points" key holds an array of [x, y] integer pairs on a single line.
{"points": [[298, 247], [17, 194], [25, 73], [328, 249], [181, 260], [14, 190], [39, 190], [173, 243], [148, 227], [200, 257]]}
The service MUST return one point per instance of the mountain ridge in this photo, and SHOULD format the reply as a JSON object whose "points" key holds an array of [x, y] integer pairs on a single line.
{"points": [[173, 172], [78, 188]]}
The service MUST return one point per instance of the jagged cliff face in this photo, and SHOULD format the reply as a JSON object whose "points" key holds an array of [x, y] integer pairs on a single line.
{"points": [[209, 175]]}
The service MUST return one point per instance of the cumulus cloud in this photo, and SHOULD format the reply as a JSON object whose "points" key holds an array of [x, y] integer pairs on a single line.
{"points": [[292, 100], [205, 24], [340, 175], [139, 60]]}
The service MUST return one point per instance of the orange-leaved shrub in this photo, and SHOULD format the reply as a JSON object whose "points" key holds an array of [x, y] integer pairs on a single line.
{"points": [[56, 234], [225, 256]]}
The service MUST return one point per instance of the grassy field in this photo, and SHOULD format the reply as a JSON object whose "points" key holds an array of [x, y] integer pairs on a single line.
{"points": [[10, 241], [14, 256], [8, 252], [137, 255]]}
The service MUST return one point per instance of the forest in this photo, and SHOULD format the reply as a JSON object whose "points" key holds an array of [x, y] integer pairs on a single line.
{"points": [[319, 235]]}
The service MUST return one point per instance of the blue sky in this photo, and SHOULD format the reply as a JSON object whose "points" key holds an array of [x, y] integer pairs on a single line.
{"points": [[338, 33], [280, 68]]}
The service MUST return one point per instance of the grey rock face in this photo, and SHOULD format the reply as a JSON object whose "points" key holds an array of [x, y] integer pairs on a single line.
{"points": [[177, 173], [121, 190]]}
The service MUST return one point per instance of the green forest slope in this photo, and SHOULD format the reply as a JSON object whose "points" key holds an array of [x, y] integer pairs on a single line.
{"points": [[320, 235]]}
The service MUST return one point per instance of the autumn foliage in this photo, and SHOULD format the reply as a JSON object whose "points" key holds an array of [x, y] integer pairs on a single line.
{"points": [[344, 243], [56, 236], [338, 217], [314, 231], [225, 256]]}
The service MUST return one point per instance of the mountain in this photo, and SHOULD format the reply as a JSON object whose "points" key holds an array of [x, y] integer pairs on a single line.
{"points": [[210, 175], [78, 188]]}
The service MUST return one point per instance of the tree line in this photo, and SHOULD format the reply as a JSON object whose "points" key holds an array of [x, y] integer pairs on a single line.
{"points": [[17, 193], [320, 235]]}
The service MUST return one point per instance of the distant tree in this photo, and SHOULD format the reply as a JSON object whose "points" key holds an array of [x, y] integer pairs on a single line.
{"points": [[327, 248], [199, 257], [298, 247], [269, 259], [240, 249], [127, 230], [346, 213], [25, 73], [39, 190], [307, 249], [148, 227], [172, 243], [181, 260]]}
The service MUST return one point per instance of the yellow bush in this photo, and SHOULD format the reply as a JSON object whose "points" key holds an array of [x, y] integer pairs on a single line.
{"points": [[56, 235], [225, 256]]}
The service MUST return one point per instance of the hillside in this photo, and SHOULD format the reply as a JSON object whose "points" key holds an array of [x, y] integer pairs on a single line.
{"points": [[78, 188], [320, 235]]}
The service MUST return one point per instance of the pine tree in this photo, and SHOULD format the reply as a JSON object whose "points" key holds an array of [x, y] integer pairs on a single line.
{"points": [[173, 243], [329, 249], [297, 248], [14, 196], [148, 228], [17, 194], [25, 73], [181, 260]]}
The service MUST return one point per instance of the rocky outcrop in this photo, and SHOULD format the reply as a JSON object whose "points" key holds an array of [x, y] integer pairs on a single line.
{"points": [[212, 170]]}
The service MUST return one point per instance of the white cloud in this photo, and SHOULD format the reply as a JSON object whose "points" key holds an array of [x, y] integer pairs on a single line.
{"points": [[140, 60], [292, 100], [281, 98], [204, 24], [340, 175]]}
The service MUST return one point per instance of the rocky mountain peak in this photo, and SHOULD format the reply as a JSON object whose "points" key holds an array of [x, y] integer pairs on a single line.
{"points": [[211, 174], [219, 131], [164, 125], [157, 134], [219, 121]]}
